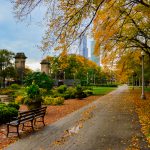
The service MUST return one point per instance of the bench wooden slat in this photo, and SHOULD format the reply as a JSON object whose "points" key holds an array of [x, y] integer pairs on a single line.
{"points": [[27, 116]]}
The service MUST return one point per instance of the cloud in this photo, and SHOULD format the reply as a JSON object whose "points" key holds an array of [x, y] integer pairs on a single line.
{"points": [[21, 36], [34, 65]]}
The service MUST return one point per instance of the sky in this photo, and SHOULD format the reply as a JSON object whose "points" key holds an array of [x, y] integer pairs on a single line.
{"points": [[23, 36]]}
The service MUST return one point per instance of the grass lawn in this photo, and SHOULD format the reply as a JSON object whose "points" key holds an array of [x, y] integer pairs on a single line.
{"points": [[147, 89], [102, 90]]}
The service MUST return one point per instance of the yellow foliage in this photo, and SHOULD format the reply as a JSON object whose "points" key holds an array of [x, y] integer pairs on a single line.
{"points": [[19, 99]]}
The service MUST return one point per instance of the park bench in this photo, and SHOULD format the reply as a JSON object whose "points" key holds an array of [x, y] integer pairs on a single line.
{"points": [[32, 116], [39, 114]]}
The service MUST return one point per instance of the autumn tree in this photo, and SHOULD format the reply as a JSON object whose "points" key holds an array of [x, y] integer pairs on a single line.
{"points": [[119, 28], [74, 66], [66, 19]]}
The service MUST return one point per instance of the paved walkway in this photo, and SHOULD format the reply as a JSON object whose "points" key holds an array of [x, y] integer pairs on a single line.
{"points": [[107, 124]]}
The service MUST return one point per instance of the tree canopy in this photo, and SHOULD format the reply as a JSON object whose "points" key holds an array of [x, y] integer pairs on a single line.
{"points": [[6, 65], [120, 28], [74, 66], [69, 19]]}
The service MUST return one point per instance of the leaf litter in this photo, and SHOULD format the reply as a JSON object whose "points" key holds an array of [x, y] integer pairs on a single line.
{"points": [[86, 115]]}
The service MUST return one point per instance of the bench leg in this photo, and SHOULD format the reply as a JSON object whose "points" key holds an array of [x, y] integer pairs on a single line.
{"points": [[18, 131], [43, 121], [35, 122], [32, 125], [7, 130], [22, 126]]}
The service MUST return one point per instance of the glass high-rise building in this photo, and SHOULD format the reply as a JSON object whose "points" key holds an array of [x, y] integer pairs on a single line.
{"points": [[83, 50], [94, 58]]}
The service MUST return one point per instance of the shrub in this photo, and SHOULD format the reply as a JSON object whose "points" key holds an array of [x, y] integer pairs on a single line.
{"points": [[33, 91], [43, 92], [64, 92], [53, 101], [21, 92], [33, 99], [7, 113], [2, 104], [14, 105], [62, 88], [19, 99], [7, 91], [15, 86], [109, 85], [88, 92], [80, 94], [70, 93], [55, 93]]}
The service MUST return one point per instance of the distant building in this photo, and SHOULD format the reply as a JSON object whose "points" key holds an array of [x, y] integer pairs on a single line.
{"points": [[20, 59], [45, 66], [83, 50], [94, 58]]}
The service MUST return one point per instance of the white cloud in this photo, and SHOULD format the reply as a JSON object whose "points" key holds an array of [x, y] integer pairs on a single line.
{"points": [[20, 37], [34, 65]]}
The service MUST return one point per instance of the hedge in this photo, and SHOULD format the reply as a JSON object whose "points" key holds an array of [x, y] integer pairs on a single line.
{"points": [[7, 112]]}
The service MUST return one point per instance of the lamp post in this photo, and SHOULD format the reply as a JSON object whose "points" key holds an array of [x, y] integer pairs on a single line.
{"points": [[64, 75], [132, 80], [143, 94]]}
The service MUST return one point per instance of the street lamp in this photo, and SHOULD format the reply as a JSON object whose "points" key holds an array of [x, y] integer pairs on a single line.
{"points": [[143, 94], [132, 80], [64, 75]]}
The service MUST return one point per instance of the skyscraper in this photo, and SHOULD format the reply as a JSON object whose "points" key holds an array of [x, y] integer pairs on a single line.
{"points": [[94, 58], [83, 50]]}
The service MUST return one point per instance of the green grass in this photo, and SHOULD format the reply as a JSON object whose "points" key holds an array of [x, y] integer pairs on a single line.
{"points": [[147, 89], [102, 90]]}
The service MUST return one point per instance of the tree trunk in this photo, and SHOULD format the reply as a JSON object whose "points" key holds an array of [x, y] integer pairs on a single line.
{"points": [[4, 82]]}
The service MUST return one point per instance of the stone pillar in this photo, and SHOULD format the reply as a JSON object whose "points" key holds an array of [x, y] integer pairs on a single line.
{"points": [[45, 66], [20, 59]]}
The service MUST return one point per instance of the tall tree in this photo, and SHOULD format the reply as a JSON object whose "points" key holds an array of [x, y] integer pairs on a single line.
{"points": [[69, 19], [6, 66], [120, 28]]}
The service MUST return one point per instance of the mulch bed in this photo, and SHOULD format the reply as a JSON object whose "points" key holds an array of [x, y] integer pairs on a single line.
{"points": [[53, 114]]}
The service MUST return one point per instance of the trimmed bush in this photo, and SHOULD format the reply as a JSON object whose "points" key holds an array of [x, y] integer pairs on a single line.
{"points": [[55, 93], [7, 113], [70, 93], [108, 85], [61, 88], [15, 86], [6, 91], [88, 92], [14, 105], [64, 92], [19, 99], [80, 94], [33, 91], [34, 98], [53, 101], [43, 92]]}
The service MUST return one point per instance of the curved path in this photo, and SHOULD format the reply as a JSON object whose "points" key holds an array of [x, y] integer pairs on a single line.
{"points": [[109, 123]]}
